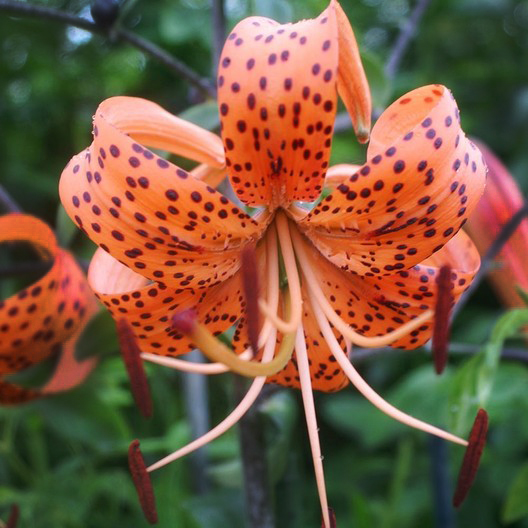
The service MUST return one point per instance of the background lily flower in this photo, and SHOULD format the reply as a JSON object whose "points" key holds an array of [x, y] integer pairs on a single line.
{"points": [[46, 318], [359, 267], [501, 199]]}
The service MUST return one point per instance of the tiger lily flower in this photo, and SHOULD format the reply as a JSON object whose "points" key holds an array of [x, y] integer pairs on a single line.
{"points": [[357, 267], [501, 200], [44, 319]]}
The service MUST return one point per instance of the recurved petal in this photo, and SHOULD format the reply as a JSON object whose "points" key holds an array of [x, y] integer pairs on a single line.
{"points": [[148, 306], [422, 180], [277, 97], [38, 320], [376, 305], [149, 124], [145, 211]]}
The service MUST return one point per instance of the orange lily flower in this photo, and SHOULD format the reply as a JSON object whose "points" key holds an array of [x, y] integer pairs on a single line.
{"points": [[357, 267], [46, 318], [501, 200]]}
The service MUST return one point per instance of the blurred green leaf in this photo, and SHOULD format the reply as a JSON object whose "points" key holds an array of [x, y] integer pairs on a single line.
{"points": [[204, 115], [98, 338], [516, 506], [65, 229]]}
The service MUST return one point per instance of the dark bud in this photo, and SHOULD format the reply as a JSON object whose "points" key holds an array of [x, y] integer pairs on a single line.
{"points": [[142, 482], [105, 12], [470, 464]]}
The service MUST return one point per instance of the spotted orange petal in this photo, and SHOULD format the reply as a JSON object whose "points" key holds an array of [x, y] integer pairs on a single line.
{"points": [[277, 91], [374, 306], [145, 211], [422, 180], [46, 317], [148, 306]]}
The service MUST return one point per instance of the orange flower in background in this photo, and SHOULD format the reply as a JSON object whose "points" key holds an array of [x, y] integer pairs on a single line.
{"points": [[357, 267], [501, 200], [46, 318]]}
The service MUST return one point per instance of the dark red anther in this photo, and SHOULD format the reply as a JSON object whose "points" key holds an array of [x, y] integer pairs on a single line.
{"points": [[184, 321], [131, 354], [470, 464], [333, 522], [251, 290], [142, 481], [441, 330], [12, 522]]}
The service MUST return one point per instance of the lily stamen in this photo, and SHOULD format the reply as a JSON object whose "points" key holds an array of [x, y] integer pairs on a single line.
{"points": [[142, 482], [347, 332], [186, 323], [250, 286], [294, 285], [364, 388], [311, 421], [444, 303], [237, 413]]}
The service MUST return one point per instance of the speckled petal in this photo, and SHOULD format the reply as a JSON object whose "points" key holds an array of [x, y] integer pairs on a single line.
{"points": [[37, 321], [148, 306], [277, 96], [374, 306], [422, 180], [145, 211]]}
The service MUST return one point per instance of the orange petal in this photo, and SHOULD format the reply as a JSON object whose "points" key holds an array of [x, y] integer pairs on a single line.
{"points": [[11, 394], [352, 83], [147, 307], [149, 124], [501, 199], [36, 321], [148, 213], [374, 306], [277, 97], [422, 180]]}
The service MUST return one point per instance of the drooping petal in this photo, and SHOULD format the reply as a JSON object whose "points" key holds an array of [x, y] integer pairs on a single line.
{"points": [[148, 306], [277, 96], [145, 211], [422, 180], [375, 306], [45, 318]]}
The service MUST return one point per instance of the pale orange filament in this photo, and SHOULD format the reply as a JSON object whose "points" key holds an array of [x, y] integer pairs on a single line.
{"points": [[229, 421], [355, 338], [311, 420], [294, 285], [365, 389]]}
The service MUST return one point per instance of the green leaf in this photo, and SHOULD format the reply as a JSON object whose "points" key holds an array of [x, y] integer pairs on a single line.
{"points": [[203, 114], [65, 228], [380, 84], [516, 505], [98, 338], [473, 383]]}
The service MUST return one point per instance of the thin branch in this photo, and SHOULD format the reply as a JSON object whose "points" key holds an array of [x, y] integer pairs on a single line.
{"points": [[487, 260], [7, 203], [219, 31], [16, 8], [405, 37]]}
